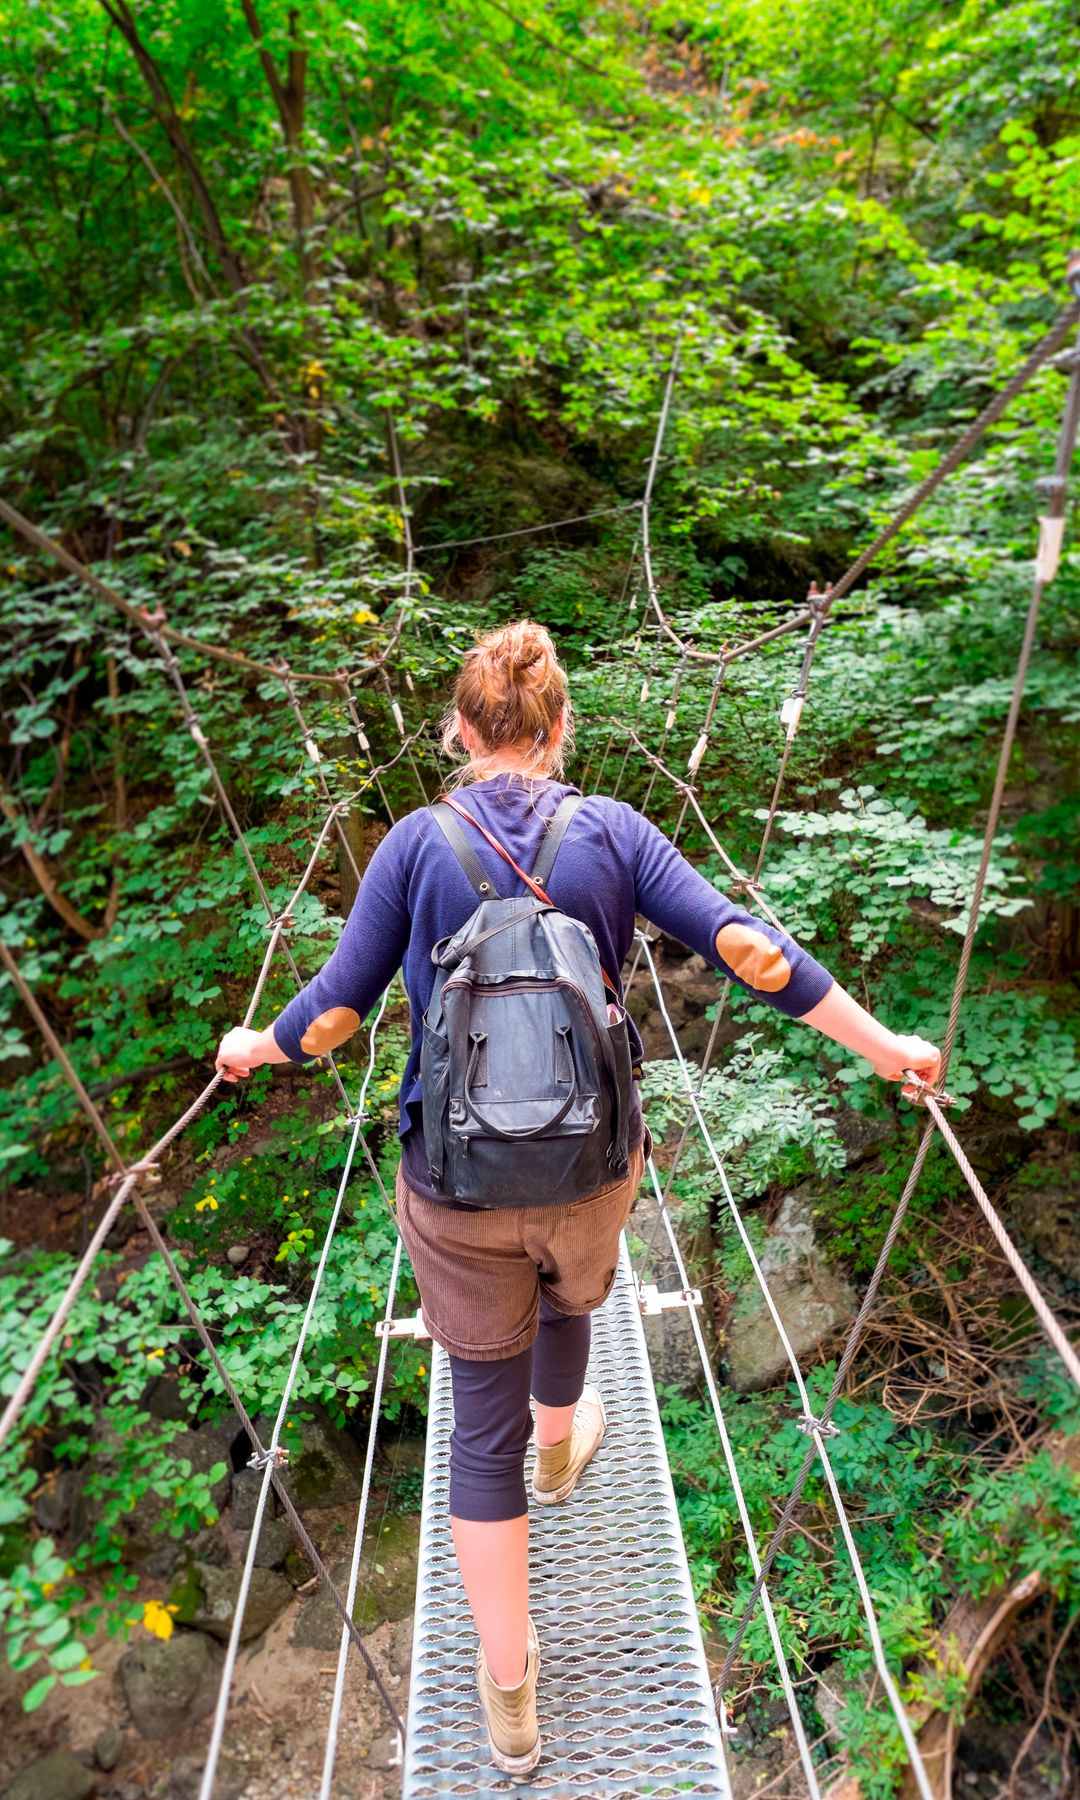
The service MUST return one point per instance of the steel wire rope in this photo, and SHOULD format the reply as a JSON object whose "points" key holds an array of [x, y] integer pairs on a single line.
{"points": [[499, 537], [1050, 535], [807, 1422], [273, 1449], [740, 1502], [334, 1722]]}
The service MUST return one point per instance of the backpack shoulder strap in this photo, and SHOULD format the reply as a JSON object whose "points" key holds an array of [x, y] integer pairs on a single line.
{"points": [[556, 831], [446, 821]]}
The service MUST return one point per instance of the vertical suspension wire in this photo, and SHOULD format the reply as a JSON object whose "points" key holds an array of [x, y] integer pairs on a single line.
{"points": [[274, 1448], [334, 1722], [740, 1501], [808, 1422]]}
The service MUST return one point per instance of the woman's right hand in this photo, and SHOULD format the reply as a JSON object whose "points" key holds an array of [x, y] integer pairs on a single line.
{"points": [[240, 1051]]}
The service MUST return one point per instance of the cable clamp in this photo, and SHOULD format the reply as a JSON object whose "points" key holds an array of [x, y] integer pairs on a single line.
{"points": [[818, 600], [745, 884], [652, 1301], [399, 1328], [285, 922], [924, 1091], [155, 618], [823, 1427], [145, 1173], [276, 1454]]}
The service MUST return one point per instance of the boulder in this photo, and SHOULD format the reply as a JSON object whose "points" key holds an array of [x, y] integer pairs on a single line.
{"points": [[170, 1684], [206, 1598], [275, 1544], [1044, 1217], [326, 1465], [813, 1300], [386, 1590], [58, 1776]]}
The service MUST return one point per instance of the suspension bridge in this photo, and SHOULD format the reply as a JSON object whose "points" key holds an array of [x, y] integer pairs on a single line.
{"points": [[626, 1696]]}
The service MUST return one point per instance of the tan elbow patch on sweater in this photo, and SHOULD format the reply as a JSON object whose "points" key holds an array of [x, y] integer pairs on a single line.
{"points": [[330, 1029], [754, 958]]}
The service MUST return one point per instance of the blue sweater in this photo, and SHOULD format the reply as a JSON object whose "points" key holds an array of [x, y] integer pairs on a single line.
{"points": [[612, 864]]}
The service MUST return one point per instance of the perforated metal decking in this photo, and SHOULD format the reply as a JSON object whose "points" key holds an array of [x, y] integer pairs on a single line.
{"points": [[625, 1701]]}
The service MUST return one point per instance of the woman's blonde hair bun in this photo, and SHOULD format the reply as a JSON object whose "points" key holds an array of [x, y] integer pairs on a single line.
{"points": [[513, 690]]}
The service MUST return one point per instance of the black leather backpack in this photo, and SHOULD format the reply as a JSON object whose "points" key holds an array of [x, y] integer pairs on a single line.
{"points": [[525, 1064]]}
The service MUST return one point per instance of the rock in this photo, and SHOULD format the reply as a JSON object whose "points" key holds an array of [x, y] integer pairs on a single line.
{"points": [[58, 1776], [1045, 1218], [400, 1646], [385, 1752], [390, 1594], [206, 1599], [55, 1500], [813, 1300], [326, 1465], [297, 1569], [109, 1747], [210, 1546], [170, 1685], [275, 1544], [185, 1778], [246, 1484], [163, 1400], [860, 1136], [829, 1696], [238, 1254], [318, 1623]]}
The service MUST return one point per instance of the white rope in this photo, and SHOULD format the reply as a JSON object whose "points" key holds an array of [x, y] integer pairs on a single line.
{"points": [[740, 1501], [902, 1720], [221, 1710], [334, 1723]]}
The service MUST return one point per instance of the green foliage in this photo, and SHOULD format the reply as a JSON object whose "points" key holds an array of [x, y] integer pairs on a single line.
{"points": [[496, 228]]}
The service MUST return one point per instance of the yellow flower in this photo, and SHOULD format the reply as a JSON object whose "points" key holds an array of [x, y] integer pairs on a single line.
{"points": [[207, 1200], [363, 617], [48, 1587], [422, 1370], [86, 1664], [158, 1618], [306, 1193], [155, 1353]]}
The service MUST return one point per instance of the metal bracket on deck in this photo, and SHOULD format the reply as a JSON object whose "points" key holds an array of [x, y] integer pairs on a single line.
{"points": [[652, 1301], [411, 1328]]}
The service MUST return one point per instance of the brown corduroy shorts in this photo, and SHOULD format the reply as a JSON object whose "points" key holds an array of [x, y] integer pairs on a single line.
{"points": [[481, 1273]]}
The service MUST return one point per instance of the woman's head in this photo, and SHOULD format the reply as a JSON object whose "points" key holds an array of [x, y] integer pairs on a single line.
{"points": [[511, 707]]}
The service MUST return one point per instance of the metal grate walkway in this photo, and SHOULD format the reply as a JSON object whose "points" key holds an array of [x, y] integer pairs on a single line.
{"points": [[625, 1702]]}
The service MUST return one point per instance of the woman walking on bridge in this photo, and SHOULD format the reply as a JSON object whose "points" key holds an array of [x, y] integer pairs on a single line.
{"points": [[510, 907]]}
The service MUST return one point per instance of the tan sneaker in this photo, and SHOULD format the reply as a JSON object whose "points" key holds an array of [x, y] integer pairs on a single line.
{"points": [[556, 1470], [510, 1713]]}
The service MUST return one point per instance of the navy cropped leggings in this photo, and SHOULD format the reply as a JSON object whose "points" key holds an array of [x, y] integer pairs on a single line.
{"points": [[492, 1422]]}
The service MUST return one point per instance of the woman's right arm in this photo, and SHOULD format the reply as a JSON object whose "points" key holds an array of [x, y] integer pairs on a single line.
{"points": [[368, 955]]}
